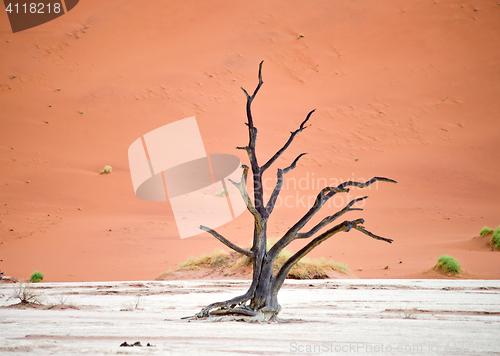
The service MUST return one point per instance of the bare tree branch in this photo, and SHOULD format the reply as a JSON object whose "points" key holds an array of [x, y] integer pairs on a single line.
{"points": [[246, 148], [376, 237], [226, 241], [252, 138], [258, 86], [291, 234], [287, 266], [242, 187], [275, 193], [321, 199], [330, 219], [326, 194], [294, 164], [251, 129], [287, 144], [279, 185], [344, 226], [365, 184]]}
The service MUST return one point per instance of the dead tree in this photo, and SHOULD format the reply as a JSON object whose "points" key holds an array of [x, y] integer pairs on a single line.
{"points": [[260, 302]]}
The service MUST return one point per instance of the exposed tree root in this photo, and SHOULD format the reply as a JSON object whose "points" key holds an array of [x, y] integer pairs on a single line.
{"points": [[241, 315], [259, 317]]}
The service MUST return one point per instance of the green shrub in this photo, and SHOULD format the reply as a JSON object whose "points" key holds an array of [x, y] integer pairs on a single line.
{"points": [[448, 264], [37, 276], [485, 231], [495, 239], [107, 170]]}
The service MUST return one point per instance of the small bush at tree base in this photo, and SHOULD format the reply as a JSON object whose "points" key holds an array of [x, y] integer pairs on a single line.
{"points": [[448, 264], [485, 231], [495, 239], [37, 276]]}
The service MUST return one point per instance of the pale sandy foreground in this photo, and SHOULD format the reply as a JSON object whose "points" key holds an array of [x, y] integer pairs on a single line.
{"points": [[390, 317]]}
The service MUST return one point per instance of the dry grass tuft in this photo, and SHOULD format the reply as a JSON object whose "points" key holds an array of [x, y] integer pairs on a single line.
{"points": [[217, 258], [26, 295], [304, 269], [162, 276]]}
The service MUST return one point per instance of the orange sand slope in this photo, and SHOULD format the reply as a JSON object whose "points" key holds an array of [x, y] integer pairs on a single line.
{"points": [[403, 89]]}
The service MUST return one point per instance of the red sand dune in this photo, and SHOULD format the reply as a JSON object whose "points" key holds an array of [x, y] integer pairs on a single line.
{"points": [[408, 88]]}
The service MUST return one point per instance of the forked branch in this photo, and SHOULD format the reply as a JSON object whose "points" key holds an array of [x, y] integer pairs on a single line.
{"points": [[252, 139], [252, 131], [344, 226], [330, 219], [291, 234], [287, 266], [294, 164], [279, 184], [321, 199], [326, 194], [242, 187], [287, 144]]}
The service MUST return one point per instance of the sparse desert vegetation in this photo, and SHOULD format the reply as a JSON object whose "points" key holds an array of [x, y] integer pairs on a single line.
{"points": [[410, 313], [222, 193], [220, 260], [37, 276], [26, 294], [60, 300], [485, 231], [107, 170], [215, 259], [135, 304], [495, 239], [448, 264], [162, 276]]}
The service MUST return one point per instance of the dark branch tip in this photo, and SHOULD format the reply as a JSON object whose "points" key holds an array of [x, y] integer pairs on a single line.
{"points": [[385, 179], [307, 119]]}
